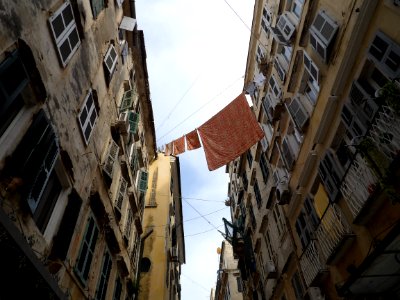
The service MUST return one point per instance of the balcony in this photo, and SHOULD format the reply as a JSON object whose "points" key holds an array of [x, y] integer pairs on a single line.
{"points": [[312, 263], [333, 233], [372, 166]]}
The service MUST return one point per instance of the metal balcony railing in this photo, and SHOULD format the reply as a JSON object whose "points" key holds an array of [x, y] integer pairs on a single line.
{"points": [[361, 179], [332, 230], [312, 262], [358, 185]]}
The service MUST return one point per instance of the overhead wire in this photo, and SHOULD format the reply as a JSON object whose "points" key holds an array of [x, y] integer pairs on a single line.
{"points": [[200, 108]]}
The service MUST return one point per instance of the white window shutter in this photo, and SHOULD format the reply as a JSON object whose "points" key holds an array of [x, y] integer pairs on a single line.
{"points": [[298, 113], [324, 27], [112, 156]]}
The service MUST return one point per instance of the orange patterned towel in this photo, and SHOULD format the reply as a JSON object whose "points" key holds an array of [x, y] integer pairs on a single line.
{"points": [[229, 133], [192, 140], [179, 145]]}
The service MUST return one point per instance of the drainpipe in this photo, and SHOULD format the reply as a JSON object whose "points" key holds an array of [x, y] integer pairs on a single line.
{"points": [[142, 240]]}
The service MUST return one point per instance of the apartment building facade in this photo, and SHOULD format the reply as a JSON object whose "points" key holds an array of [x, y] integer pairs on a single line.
{"points": [[315, 205], [164, 247], [229, 283], [77, 137]]}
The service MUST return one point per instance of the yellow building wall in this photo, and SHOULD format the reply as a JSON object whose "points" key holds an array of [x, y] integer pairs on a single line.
{"points": [[153, 283]]}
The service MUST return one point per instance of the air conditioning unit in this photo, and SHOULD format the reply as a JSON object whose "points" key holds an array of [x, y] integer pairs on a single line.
{"points": [[123, 123], [282, 193], [270, 269], [314, 293]]}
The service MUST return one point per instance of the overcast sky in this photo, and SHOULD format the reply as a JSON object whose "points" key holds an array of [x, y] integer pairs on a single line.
{"points": [[196, 58]]}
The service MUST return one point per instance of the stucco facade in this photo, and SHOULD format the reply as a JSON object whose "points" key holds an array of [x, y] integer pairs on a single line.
{"points": [[164, 248], [315, 204], [77, 137]]}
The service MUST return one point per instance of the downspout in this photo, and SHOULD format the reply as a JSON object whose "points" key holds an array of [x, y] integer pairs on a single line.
{"points": [[142, 240]]}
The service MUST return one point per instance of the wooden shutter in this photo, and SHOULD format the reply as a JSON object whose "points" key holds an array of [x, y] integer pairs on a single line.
{"points": [[142, 184], [112, 156], [127, 100], [133, 122]]}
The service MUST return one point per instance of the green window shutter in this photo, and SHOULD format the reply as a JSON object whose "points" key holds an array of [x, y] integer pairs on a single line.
{"points": [[127, 101], [133, 122], [142, 184]]}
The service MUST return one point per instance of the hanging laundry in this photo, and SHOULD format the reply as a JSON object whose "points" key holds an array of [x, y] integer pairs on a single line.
{"points": [[259, 79], [168, 149], [179, 145], [229, 133], [251, 89], [192, 140]]}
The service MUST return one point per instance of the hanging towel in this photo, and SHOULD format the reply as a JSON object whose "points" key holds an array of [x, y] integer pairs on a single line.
{"points": [[192, 140], [179, 145], [229, 133], [168, 149]]}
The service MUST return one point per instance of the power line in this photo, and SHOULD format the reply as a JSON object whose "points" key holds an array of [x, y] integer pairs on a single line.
{"points": [[200, 108], [201, 215], [180, 100], [196, 282]]}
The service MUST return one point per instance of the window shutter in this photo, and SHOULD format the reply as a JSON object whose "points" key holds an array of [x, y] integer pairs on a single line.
{"points": [[127, 101], [142, 184], [133, 122], [324, 27], [123, 185], [128, 227], [298, 113], [111, 157]]}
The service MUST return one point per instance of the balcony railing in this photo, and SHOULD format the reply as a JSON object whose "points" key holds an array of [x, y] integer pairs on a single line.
{"points": [[363, 175], [332, 231], [358, 185], [312, 263]]}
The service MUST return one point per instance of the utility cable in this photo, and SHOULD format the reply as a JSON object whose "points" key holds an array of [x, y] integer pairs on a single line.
{"points": [[201, 215], [200, 108], [180, 100]]}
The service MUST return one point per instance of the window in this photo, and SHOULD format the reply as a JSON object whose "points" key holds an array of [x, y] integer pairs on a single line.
{"points": [[133, 122], [239, 284], [97, 7], [311, 67], [111, 157], [279, 220], [279, 68], [152, 200], [274, 87], [264, 168], [104, 276], [288, 153], [331, 173], [117, 289], [110, 61], [123, 185], [287, 53], [257, 194], [386, 54], [322, 32], [65, 32], [297, 286], [298, 113], [87, 116], [142, 181], [260, 54], [86, 250], [355, 124], [13, 79], [297, 8], [34, 161], [127, 101]]}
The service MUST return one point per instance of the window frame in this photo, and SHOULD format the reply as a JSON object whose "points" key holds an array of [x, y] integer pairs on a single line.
{"points": [[90, 248], [111, 69], [102, 283], [89, 112], [392, 47], [111, 158], [97, 7], [299, 115], [283, 23], [66, 33], [311, 67]]}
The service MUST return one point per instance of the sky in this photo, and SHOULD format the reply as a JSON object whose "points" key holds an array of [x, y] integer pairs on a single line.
{"points": [[196, 59]]}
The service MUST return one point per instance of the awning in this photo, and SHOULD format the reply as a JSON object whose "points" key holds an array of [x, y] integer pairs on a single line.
{"points": [[127, 23]]}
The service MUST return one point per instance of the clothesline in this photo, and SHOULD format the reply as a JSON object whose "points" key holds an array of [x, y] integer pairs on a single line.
{"points": [[225, 136]]}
